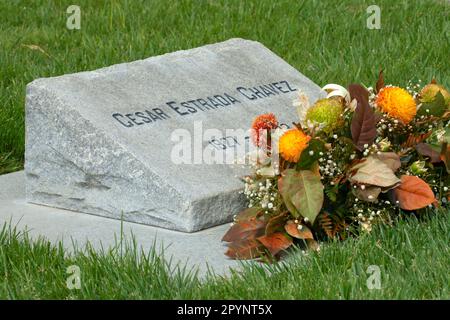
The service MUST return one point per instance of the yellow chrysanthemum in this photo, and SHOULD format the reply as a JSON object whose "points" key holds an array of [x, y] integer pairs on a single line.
{"points": [[292, 143], [397, 103]]}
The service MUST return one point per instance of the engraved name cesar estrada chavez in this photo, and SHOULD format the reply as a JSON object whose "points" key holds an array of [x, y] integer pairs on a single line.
{"points": [[211, 102]]}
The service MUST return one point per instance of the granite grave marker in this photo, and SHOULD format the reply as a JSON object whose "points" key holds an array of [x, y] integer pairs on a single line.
{"points": [[101, 142]]}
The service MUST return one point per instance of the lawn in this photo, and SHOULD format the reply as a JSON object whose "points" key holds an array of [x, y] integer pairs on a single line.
{"points": [[412, 258], [328, 41]]}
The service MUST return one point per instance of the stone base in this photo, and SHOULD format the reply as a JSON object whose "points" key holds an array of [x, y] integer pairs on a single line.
{"points": [[200, 249]]}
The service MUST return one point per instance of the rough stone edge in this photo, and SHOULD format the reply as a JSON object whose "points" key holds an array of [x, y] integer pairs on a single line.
{"points": [[184, 206], [179, 53]]}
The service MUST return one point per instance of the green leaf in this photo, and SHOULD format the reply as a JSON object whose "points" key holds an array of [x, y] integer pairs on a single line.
{"points": [[307, 159], [302, 192], [436, 108]]}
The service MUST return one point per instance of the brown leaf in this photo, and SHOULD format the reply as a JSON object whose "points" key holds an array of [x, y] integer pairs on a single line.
{"points": [[36, 48], [368, 194], [374, 172], [425, 149], [250, 229], [292, 229], [391, 159], [248, 214], [380, 82], [412, 140], [363, 127], [276, 242], [276, 223], [330, 226], [245, 249], [414, 193], [313, 245], [445, 155]]}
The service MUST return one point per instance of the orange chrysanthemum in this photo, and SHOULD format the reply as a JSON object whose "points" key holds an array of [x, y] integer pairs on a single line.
{"points": [[397, 103], [261, 125], [292, 143]]}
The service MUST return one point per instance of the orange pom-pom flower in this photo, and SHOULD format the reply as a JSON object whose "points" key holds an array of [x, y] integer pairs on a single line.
{"points": [[261, 128], [292, 143], [397, 103]]}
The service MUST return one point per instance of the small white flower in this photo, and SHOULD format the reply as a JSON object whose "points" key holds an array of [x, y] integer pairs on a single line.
{"points": [[311, 153], [270, 205], [306, 219], [445, 189]]}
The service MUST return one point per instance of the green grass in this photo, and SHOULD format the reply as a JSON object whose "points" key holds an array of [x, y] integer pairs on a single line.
{"points": [[413, 259], [327, 40]]}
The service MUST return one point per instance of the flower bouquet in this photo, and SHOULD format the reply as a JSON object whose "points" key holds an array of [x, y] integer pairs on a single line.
{"points": [[359, 157]]}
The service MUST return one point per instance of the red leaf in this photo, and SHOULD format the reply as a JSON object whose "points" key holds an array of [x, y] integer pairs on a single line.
{"points": [[414, 193], [249, 229], [292, 229], [358, 92], [245, 249], [426, 150], [276, 242], [380, 82], [363, 123]]}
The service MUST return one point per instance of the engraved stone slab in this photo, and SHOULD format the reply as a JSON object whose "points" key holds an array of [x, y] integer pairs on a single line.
{"points": [[106, 142]]}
